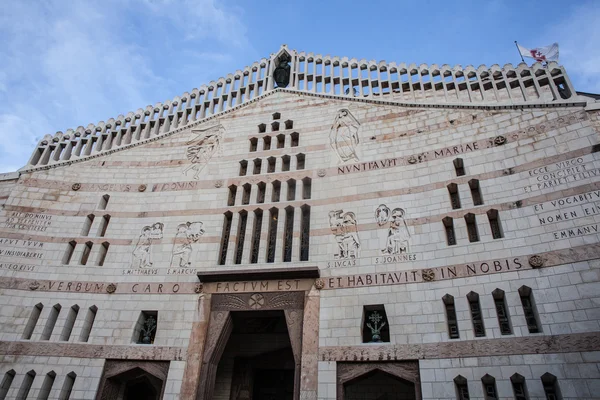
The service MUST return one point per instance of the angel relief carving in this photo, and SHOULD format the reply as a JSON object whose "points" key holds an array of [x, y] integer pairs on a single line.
{"points": [[202, 147], [343, 136], [398, 238], [345, 229]]}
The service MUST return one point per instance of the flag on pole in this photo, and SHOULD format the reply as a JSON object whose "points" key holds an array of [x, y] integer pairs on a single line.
{"points": [[541, 54]]}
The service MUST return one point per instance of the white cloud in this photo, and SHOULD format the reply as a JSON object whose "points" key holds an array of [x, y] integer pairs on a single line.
{"points": [[578, 35], [70, 63]]}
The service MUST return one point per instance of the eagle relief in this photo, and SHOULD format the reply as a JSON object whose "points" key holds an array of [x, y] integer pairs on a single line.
{"points": [[202, 147], [396, 246]]}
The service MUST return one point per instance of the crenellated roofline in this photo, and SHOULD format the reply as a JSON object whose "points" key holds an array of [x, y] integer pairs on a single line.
{"points": [[339, 77]]}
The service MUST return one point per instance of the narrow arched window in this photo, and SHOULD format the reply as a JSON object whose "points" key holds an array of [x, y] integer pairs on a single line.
{"points": [[476, 315], [69, 252], [69, 323], [551, 388], [267, 143], [472, 227], [246, 193], [529, 309], [253, 144], [262, 128], [285, 163], [475, 192], [495, 225], [291, 190], [289, 124], [304, 232], [103, 225], [6, 383], [275, 127], [241, 236], [102, 254], [87, 249], [276, 194], [306, 188], [280, 141], [88, 324], [459, 167], [462, 389], [257, 166], [454, 196], [271, 162], [489, 387], [519, 387], [449, 229], [225, 237], [502, 312], [67, 388], [87, 225], [47, 332], [32, 322], [103, 202], [272, 235], [451, 316], [260, 196], [288, 234], [47, 386], [258, 216], [300, 161], [231, 197], [243, 167], [26, 385]]}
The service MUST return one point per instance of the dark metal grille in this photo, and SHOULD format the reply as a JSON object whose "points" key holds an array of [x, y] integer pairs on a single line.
{"points": [[490, 391], [258, 216], [529, 312], [305, 233], [477, 318], [502, 317], [272, 235], [241, 236], [519, 389], [288, 235], [225, 239], [463, 391]]}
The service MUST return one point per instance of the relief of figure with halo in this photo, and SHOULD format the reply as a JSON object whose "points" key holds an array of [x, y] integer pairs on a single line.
{"points": [[398, 237]]}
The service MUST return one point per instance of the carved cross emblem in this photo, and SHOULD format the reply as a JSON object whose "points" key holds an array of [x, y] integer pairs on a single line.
{"points": [[256, 301]]}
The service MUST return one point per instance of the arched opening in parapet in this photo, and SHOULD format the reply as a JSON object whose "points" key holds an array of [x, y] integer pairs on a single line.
{"points": [[379, 385]]}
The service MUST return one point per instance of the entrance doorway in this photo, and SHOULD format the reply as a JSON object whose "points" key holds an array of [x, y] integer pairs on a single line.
{"points": [[133, 380], [258, 362], [379, 385]]}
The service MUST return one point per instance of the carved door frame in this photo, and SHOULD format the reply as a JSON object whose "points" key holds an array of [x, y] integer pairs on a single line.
{"points": [[108, 388], [405, 370], [221, 324]]}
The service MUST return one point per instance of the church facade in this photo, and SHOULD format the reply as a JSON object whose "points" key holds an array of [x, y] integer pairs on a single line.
{"points": [[313, 227]]}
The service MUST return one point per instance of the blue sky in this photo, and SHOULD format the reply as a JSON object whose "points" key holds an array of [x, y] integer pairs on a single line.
{"points": [[68, 63]]}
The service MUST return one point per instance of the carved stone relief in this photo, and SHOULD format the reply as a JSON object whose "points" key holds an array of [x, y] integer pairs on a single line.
{"points": [[397, 240], [187, 233], [258, 301], [142, 253], [345, 230], [343, 136], [202, 147]]}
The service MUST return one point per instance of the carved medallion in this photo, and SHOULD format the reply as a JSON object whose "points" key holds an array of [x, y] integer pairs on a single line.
{"points": [[142, 188], [428, 275], [412, 160], [34, 285], [321, 173], [319, 284], [111, 288], [219, 183], [256, 301], [499, 140], [536, 261], [76, 186], [198, 288]]}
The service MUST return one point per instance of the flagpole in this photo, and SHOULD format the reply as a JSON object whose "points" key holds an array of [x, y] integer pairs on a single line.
{"points": [[517, 46]]}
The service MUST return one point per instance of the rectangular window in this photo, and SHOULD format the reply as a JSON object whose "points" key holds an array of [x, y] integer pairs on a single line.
{"points": [[145, 329], [243, 168], [260, 196], [449, 229], [246, 193], [32, 322], [459, 167], [306, 188], [451, 316], [87, 249], [6, 383], [495, 226], [300, 161], [241, 235], [258, 215], [502, 312], [103, 225], [472, 228], [231, 197], [462, 389], [489, 387], [257, 166], [65, 392], [475, 192], [69, 323], [291, 190], [288, 235], [304, 233], [275, 196]]}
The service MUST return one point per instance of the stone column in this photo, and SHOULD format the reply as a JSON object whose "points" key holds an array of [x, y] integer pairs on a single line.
{"points": [[195, 352], [310, 346]]}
